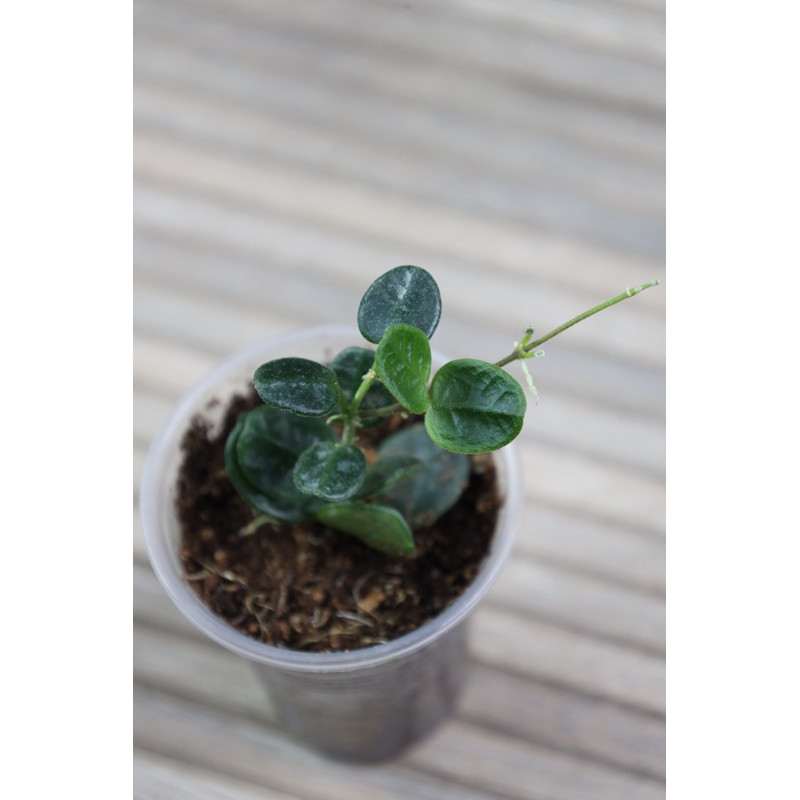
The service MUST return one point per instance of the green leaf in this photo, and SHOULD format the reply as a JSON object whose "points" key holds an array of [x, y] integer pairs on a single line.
{"points": [[350, 367], [331, 471], [403, 363], [388, 471], [298, 385], [376, 526], [406, 295], [268, 496], [268, 447], [475, 407], [434, 489]]}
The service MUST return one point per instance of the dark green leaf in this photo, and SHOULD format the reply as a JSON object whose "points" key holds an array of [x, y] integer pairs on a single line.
{"points": [[403, 363], [432, 491], [298, 385], [475, 407], [331, 471], [388, 471], [277, 504], [404, 294], [269, 445], [376, 526], [350, 367]]}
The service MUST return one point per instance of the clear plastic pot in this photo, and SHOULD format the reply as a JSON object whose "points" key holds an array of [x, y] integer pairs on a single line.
{"points": [[362, 705]]}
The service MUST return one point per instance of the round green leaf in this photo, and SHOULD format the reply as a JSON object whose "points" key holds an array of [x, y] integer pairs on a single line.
{"points": [[279, 505], [475, 407], [269, 445], [435, 488], [350, 367], [404, 294], [331, 471], [298, 385], [376, 526], [403, 363]]}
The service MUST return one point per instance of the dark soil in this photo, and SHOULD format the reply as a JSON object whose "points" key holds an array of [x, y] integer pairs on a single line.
{"points": [[308, 587]]}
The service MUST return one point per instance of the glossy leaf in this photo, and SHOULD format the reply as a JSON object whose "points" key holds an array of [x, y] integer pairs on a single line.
{"points": [[269, 445], [435, 488], [407, 295], [475, 407], [377, 526], [350, 367], [388, 471], [298, 385], [279, 505], [403, 363], [331, 471]]}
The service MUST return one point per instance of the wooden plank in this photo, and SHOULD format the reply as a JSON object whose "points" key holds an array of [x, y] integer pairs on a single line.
{"points": [[460, 761], [584, 726], [587, 605], [512, 54], [171, 220], [440, 89], [157, 778], [574, 481], [523, 199], [202, 322], [384, 142], [199, 671], [507, 766], [606, 549], [626, 30], [565, 659]]}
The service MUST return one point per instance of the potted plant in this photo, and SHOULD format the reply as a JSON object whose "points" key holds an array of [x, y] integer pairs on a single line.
{"points": [[335, 514]]}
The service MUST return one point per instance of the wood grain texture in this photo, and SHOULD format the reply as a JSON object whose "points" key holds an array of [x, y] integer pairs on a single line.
{"points": [[287, 153]]}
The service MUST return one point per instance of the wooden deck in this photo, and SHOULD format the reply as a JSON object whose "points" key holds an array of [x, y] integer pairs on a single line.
{"points": [[286, 153]]}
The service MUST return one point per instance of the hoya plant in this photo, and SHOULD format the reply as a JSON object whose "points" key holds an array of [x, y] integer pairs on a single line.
{"points": [[297, 457]]}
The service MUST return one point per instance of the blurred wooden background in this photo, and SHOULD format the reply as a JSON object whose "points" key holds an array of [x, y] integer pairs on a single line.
{"points": [[286, 153]]}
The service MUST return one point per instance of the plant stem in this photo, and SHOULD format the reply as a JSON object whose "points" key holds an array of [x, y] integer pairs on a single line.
{"points": [[255, 524], [349, 430], [519, 351], [386, 411]]}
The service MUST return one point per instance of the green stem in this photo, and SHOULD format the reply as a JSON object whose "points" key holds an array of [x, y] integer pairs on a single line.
{"points": [[520, 350], [349, 430]]}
